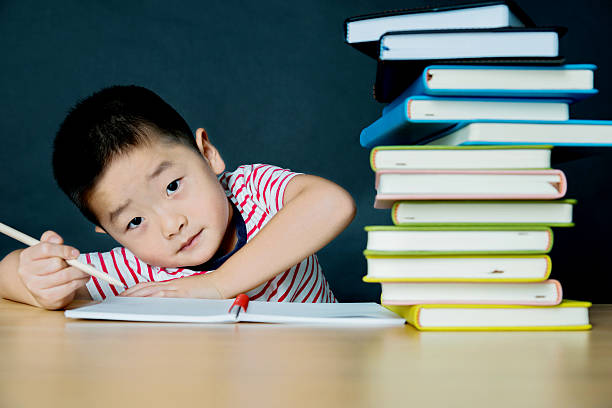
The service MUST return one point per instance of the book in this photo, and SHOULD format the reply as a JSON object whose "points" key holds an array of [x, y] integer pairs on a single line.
{"points": [[574, 82], [473, 240], [568, 315], [419, 117], [510, 42], [546, 293], [475, 268], [187, 310], [394, 76], [397, 185], [552, 213], [364, 31], [453, 157], [572, 133]]}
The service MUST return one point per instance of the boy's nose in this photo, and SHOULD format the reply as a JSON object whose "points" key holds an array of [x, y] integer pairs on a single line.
{"points": [[172, 224]]}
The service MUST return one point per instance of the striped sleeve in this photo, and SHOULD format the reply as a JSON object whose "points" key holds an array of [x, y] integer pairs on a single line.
{"points": [[121, 264], [266, 185]]}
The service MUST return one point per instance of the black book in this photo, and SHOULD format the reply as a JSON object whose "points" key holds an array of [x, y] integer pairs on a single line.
{"points": [[363, 32]]}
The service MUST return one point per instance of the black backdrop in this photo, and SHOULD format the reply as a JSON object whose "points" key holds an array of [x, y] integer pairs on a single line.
{"points": [[272, 82]]}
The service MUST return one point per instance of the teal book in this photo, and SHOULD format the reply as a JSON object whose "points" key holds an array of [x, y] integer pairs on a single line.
{"points": [[574, 82], [420, 117]]}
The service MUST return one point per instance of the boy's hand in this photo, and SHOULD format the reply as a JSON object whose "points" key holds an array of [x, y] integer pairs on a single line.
{"points": [[197, 286], [43, 271]]}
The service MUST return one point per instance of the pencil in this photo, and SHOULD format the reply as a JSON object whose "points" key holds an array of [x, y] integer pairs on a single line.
{"points": [[28, 240]]}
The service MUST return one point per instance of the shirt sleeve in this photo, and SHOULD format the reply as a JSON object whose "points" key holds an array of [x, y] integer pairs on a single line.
{"points": [[266, 184], [119, 263]]}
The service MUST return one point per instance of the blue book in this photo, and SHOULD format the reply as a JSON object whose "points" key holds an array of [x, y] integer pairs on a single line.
{"points": [[573, 82], [420, 117], [571, 133]]}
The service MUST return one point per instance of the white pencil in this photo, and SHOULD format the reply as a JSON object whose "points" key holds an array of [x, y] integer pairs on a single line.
{"points": [[28, 240]]}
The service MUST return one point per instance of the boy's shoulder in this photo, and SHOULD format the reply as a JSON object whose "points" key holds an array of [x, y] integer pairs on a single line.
{"points": [[258, 184], [254, 173]]}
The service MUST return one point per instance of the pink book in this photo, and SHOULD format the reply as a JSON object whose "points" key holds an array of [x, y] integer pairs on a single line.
{"points": [[545, 293], [396, 185]]}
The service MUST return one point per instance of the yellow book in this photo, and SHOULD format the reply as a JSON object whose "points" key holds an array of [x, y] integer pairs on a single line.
{"points": [[568, 315]]}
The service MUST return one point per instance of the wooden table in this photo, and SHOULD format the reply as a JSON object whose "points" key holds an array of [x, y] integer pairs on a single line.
{"points": [[47, 360]]}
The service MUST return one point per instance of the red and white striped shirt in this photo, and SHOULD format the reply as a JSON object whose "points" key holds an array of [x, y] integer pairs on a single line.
{"points": [[257, 192]]}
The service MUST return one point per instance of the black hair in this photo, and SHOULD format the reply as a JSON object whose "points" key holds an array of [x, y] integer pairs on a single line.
{"points": [[109, 123]]}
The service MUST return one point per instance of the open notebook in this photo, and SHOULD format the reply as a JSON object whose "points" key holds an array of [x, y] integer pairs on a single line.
{"points": [[146, 309]]}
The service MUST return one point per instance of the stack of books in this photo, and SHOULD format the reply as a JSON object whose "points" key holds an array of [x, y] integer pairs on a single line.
{"points": [[472, 224]]}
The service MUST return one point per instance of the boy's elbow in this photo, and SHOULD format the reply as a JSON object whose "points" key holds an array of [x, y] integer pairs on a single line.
{"points": [[346, 206]]}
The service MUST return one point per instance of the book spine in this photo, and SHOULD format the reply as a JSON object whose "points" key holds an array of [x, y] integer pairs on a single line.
{"points": [[418, 87], [383, 126]]}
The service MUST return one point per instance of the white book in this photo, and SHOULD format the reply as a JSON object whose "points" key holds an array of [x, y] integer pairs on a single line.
{"points": [[464, 44], [385, 240], [477, 157], [550, 212], [415, 293], [493, 268], [184, 310], [571, 133]]}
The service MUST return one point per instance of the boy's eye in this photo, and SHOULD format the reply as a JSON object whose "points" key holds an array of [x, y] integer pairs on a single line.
{"points": [[135, 222], [172, 187]]}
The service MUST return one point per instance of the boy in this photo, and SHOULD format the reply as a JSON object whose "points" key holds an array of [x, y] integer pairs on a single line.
{"points": [[130, 163]]}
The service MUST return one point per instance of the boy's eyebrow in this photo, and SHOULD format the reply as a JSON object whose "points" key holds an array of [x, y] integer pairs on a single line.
{"points": [[162, 166], [115, 214]]}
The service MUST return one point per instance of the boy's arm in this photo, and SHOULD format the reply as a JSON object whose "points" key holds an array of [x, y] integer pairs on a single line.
{"points": [[315, 211]]}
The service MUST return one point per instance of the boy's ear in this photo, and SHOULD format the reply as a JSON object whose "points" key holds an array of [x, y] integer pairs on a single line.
{"points": [[100, 230], [209, 152]]}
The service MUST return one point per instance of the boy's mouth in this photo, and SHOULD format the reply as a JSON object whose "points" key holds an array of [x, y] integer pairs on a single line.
{"points": [[191, 242]]}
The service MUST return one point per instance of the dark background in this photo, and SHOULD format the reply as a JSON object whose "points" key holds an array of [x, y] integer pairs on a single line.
{"points": [[272, 82]]}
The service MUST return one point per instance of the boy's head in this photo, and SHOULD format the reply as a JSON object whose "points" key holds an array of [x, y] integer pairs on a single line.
{"points": [[131, 165]]}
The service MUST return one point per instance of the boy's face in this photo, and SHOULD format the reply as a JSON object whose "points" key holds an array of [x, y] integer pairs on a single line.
{"points": [[165, 204]]}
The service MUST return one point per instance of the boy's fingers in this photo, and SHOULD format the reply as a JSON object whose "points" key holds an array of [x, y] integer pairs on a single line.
{"points": [[138, 289], [56, 297], [52, 236], [49, 250], [62, 277], [42, 267]]}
